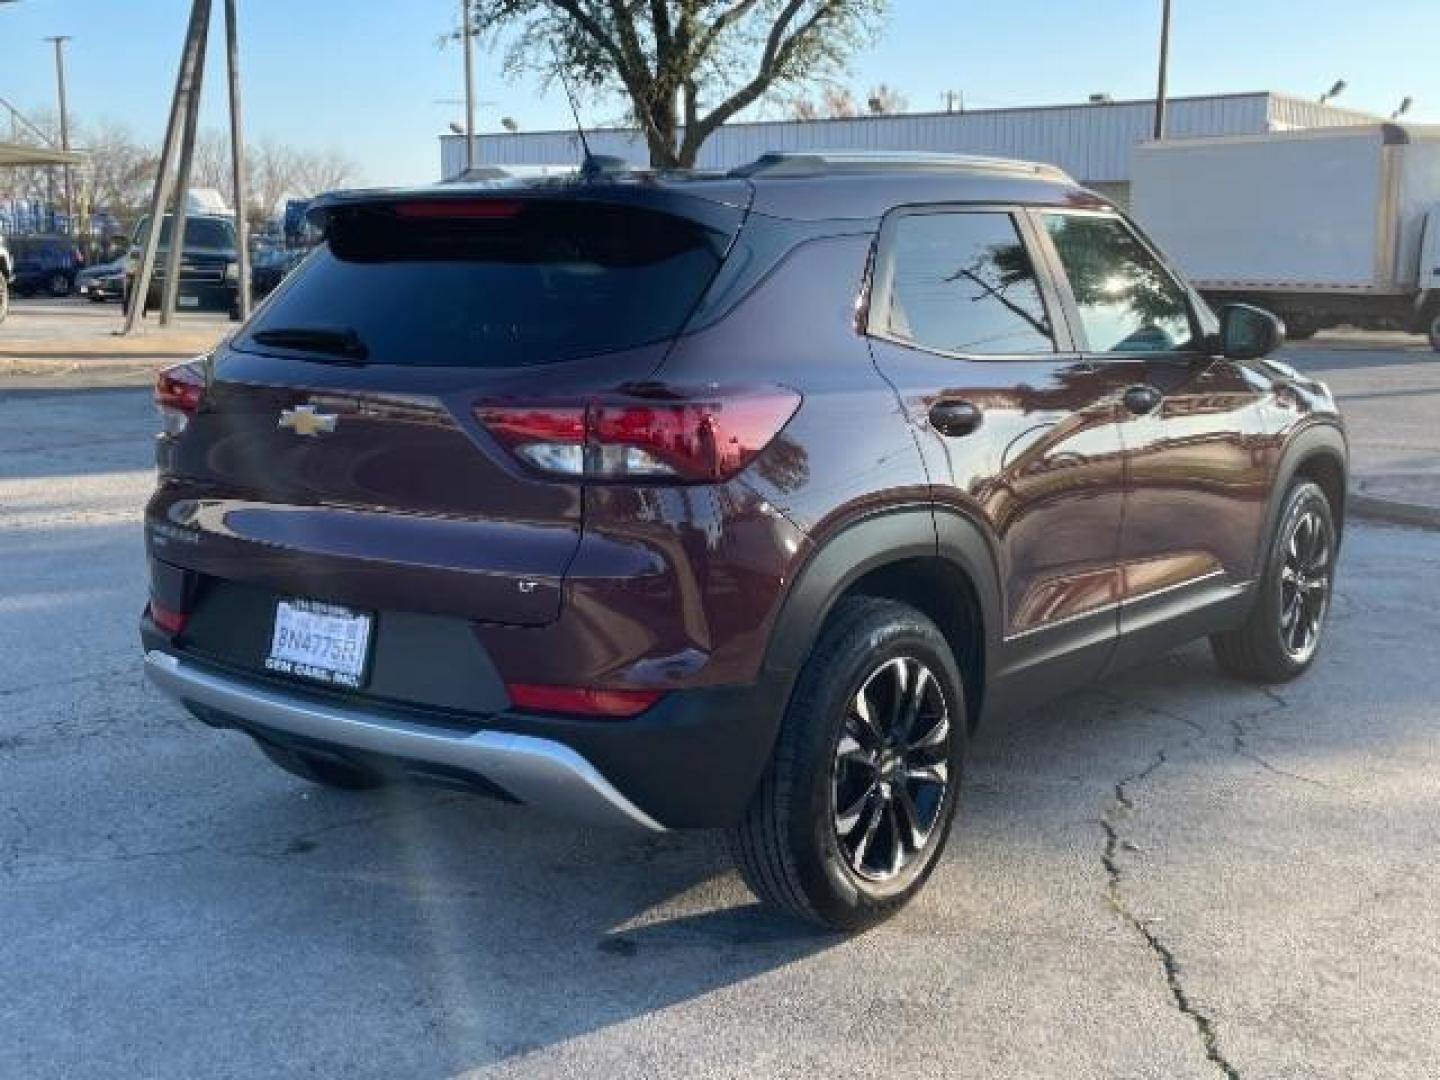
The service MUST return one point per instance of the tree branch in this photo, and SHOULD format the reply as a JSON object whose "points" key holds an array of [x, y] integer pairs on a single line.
{"points": [[629, 40], [722, 22], [664, 36], [673, 58], [778, 50], [588, 23]]}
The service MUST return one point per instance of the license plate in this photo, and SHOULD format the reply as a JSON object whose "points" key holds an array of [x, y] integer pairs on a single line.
{"points": [[323, 642], [188, 301]]}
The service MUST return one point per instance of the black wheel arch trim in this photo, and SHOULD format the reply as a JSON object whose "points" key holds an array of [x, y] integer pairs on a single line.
{"points": [[881, 539], [1319, 440]]}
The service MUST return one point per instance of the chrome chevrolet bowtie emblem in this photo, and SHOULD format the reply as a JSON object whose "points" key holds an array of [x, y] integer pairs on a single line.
{"points": [[304, 420]]}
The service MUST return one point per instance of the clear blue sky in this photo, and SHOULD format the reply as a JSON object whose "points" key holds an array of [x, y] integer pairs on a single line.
{"points": [[364, 75]]}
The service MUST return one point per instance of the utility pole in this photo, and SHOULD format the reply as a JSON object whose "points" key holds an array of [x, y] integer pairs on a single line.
{"points": [[1164, 70], [191, 58], [237, 155], [176, 254], [59, 42], [468, 41]]}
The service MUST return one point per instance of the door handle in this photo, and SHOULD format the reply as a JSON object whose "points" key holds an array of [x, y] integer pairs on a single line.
{"points": [[1142, 399], [954, 417]]}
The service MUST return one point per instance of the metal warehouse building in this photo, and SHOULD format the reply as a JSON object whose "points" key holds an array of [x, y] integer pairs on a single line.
{"points": [[1090, 141]]}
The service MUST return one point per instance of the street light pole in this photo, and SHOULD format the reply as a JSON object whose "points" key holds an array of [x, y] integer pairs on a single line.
{"points": [[468, 40], [1164, 70], [59, 42]]}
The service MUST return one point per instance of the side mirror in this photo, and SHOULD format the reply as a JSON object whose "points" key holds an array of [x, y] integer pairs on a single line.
{"points": [[1248, 332]]}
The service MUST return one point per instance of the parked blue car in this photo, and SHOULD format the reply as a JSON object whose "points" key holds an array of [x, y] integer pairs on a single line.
{"points": [[45, 264]]}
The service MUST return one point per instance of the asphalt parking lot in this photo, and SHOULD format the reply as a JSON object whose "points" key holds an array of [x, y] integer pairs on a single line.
{"points": [[1170, 875]]}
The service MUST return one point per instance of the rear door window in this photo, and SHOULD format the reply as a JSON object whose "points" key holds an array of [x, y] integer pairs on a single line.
{"points": [[543, 282], [963, 282], [1128, 302]]}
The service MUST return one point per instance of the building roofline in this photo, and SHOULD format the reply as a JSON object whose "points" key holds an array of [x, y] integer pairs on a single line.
{"points": [[1008, 109], [1298, 100]]}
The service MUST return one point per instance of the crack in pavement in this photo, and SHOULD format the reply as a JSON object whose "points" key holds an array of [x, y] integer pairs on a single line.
{"points": [[1239, 742], [1150, 709], [1110, 858], [1239, 732]]}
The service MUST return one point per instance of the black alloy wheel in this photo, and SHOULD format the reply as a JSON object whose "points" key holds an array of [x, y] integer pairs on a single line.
{"points": [[891, 772]]}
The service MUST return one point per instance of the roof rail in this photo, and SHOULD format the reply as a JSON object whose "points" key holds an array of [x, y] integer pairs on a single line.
{"points": [[836, 162]]}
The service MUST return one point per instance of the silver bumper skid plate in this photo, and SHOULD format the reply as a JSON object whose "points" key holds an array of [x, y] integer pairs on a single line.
{"points": [[537, 772]]}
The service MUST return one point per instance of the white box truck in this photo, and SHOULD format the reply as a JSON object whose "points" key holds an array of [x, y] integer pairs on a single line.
{"points": [[1323, 227]]}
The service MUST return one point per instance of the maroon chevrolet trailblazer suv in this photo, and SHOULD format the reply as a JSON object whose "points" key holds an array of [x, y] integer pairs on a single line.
{"points": [[736, 501]]}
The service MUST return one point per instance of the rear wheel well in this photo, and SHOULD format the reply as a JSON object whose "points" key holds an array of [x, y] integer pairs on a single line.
{"points": [[1326, 471], [945, 594]]}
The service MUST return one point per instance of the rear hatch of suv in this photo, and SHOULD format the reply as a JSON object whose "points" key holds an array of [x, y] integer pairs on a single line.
{"points": [[350, 444]]}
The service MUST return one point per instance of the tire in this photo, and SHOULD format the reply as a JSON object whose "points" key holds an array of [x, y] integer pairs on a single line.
{"points": [[325, 771], [821, 838], [60, 285], [1433, 333], [1272, 645]]}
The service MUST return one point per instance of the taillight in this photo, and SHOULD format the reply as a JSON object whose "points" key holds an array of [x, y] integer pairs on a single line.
{"points": [[650, 434], [178, 393], [172, 622], [581, 700]]}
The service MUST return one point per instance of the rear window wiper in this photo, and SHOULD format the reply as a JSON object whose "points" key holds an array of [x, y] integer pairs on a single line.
{"points": [[339, 341]]}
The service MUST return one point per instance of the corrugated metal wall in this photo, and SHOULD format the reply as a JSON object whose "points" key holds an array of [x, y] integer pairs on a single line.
{"points": [[1091, 142], [1291, 113]]}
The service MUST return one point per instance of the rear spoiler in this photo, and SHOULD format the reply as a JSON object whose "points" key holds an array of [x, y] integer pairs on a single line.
{"points": [[720, 204]]}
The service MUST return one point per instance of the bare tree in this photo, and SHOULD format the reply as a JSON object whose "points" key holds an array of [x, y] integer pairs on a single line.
{"points": [[805, 109], [278, 171], [684, 66], [119, 170], [210, 167], [275, 170], [837, 103], [885, 100], [324, 170]]}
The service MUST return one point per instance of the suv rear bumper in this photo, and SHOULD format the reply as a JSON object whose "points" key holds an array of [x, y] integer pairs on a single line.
{"points": [[691, 761], [532, 770]]}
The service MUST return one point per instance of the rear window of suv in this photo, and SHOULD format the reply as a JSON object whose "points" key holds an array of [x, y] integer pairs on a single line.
{"points": [[533, 284]]}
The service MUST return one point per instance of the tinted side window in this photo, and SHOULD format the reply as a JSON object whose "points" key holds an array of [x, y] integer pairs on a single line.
{"points": [[963, 283], [1128, 302]]}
